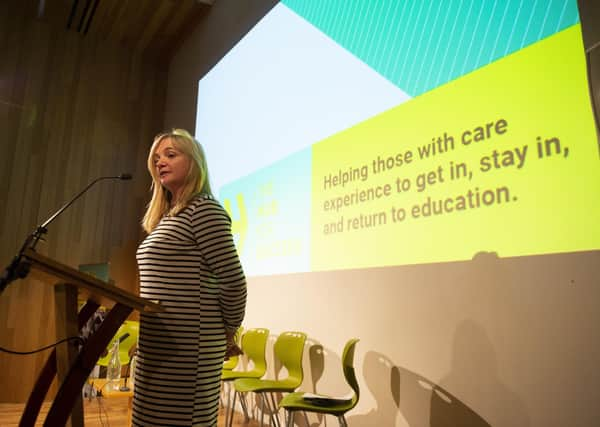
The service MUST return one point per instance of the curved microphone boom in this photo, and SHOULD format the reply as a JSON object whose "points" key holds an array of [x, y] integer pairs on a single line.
{"points": [[19, 270], [124, 176]]}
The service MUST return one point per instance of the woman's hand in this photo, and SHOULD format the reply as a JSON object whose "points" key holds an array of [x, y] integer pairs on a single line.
{"points": [[232, 348]]}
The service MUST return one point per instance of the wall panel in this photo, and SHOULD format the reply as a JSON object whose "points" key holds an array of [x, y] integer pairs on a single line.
{"points": [[72, 108]]}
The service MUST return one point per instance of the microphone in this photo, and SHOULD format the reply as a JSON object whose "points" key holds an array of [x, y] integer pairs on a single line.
{"points": [[19, 270]]}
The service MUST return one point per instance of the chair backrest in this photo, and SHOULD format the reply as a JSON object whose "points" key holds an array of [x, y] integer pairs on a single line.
{"points": [[254, 346], [348, 366], [288, 349], [130, 327], [232, 362]]}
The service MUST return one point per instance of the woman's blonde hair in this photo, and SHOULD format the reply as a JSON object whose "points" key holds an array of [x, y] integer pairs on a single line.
{"points": [[196, 181]]}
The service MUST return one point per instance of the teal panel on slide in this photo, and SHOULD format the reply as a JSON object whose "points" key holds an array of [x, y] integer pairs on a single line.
{"points": [[420, 45], [270, 212]]}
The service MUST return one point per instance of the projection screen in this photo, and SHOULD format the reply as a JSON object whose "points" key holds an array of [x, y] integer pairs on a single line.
{"points": [[360, 134]]}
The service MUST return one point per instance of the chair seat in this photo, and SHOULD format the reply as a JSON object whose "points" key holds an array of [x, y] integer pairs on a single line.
{"points": [[323, 404], [257, 385], [234, 375], [231, 363], [316, 403]]}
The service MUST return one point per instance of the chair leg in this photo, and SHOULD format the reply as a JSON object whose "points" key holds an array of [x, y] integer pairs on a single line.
{"points": [[290, 418], [262, 408], [306, 419], [244, 406], [342, 420], [230, 409], [275, 409], [227, 390], [267, 402]]}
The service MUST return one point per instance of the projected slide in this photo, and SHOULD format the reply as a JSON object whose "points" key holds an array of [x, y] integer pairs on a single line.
{"points": [[392, 133]]}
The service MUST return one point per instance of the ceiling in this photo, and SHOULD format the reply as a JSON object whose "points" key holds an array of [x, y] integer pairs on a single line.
{"points": [[151, 27]]}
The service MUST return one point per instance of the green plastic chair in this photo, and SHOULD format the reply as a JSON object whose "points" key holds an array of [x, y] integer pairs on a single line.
{"points": [[322, 404], [254, 345], [288, 349], [130, 327]]}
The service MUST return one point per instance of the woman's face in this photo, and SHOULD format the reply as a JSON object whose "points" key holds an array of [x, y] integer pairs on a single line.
{"points": [[172, 166]]}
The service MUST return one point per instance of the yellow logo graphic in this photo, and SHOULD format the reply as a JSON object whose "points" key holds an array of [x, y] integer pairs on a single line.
{"points": [[239, 226]]}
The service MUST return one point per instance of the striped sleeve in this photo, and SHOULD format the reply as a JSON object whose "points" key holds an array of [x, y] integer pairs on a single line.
{"points": [[212, 230]]}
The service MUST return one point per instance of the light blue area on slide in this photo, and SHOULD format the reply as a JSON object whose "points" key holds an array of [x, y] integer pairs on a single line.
{"points": [[283, 87]]}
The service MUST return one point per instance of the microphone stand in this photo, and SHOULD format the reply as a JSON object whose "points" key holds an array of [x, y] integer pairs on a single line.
{"points": [[19, 269], [127, 373]]}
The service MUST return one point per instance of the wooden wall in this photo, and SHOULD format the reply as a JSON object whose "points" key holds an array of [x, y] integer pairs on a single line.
{"points": [[72, 108]]}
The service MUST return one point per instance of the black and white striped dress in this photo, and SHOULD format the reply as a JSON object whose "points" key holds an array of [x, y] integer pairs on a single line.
{"points": [[189, 263]]}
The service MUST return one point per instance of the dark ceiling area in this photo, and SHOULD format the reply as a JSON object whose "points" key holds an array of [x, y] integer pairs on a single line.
{"points": [[155, 28]]}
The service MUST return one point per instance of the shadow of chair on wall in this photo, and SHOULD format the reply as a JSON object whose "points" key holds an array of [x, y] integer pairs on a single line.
{"points": [[380, 376], [323, 374], [407, 399], [320, 361]]}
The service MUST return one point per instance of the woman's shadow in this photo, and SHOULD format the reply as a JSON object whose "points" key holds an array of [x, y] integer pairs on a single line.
{"points": [[474, 369]]}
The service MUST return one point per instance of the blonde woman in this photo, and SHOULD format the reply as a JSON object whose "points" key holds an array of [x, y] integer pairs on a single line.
{"points": [[189, 263]]}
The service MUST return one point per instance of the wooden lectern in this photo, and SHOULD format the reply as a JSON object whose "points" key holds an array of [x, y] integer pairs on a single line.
{"points": [[72, 366]]}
